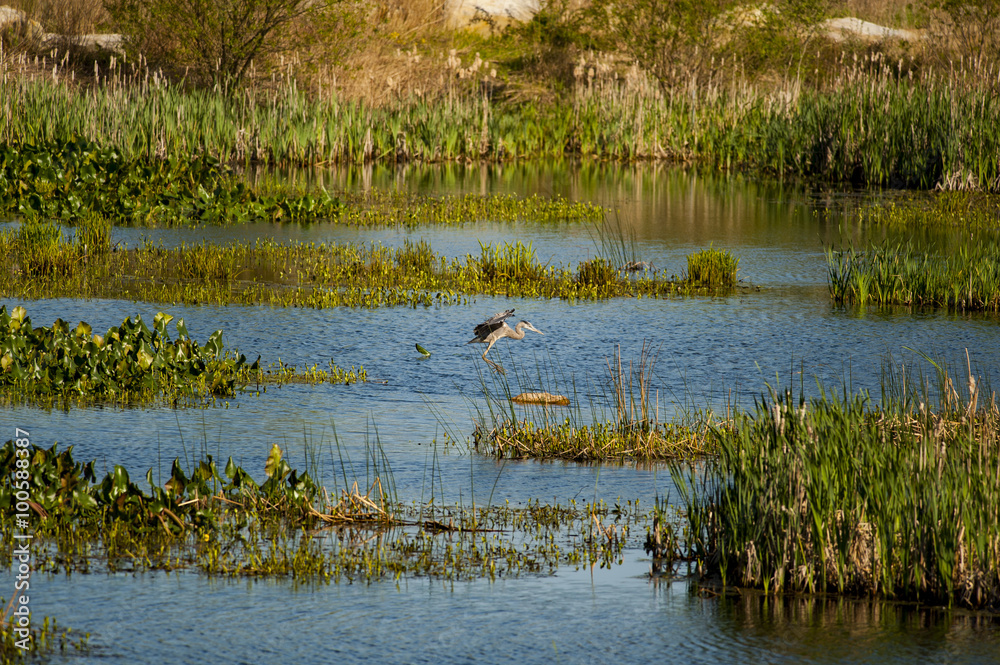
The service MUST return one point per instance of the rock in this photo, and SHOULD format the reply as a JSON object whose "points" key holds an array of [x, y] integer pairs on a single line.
{"points": [[842, 29], [108, 42], [488, 15], [17, 20], [540, 398]]}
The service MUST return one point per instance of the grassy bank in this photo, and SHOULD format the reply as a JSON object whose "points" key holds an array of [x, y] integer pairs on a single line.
{"points": [[877, 123]]}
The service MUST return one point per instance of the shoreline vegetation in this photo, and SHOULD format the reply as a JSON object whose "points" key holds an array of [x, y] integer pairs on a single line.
{"points": [[839, 494], [878, 125]]}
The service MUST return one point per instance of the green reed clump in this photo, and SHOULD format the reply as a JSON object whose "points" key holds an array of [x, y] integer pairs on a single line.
{"points": [[712, 268], [597, 273], [510, 264], [964, 278], [838, 494], [37, 247]]}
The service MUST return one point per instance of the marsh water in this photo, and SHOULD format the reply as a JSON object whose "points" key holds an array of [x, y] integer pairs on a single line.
{"points": [[779, 329]]}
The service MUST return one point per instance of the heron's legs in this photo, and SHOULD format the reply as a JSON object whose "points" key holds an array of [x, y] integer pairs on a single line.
{"points": [[493, 365], [496, 368]]}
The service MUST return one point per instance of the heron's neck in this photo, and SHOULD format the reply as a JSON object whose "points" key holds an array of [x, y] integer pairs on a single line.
{"points": [[518, 331]]}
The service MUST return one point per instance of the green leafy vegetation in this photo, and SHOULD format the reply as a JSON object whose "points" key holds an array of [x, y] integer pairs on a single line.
{"points": [[132, 364], [129, 363], [75, 180]]}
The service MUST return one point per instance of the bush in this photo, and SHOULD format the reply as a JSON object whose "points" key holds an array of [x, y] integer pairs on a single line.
{"points": [[218, 41]]}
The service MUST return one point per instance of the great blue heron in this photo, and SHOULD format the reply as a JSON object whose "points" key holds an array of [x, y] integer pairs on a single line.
{"points": [[495, 328]]}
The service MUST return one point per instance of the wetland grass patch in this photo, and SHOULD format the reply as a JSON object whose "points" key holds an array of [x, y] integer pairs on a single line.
{"points": [[46, 264], [712, 269], [839, 494], [635, 433], [964, 278]]}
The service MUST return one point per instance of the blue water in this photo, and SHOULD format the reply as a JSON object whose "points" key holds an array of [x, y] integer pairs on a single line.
{"points": [[781, 330]]}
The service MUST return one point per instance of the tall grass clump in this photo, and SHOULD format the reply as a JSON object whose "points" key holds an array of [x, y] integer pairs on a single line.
{"points": [[712, 268], [964, 278], [839, 494], [632, 432]]}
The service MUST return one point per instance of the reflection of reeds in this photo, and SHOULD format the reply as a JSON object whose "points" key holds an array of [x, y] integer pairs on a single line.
{"points": [[837, 493]]}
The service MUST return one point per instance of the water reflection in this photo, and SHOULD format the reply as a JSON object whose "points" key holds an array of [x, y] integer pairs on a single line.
{"points": [[837, 630]]}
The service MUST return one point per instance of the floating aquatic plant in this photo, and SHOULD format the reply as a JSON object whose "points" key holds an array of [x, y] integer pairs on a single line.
{"points": [[132, 364]]}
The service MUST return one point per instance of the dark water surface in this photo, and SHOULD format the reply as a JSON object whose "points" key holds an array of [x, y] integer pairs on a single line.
{"points": [[710, 352]]}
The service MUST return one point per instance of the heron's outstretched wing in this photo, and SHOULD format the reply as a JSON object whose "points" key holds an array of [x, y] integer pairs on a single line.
{"points": [[483, 330]]}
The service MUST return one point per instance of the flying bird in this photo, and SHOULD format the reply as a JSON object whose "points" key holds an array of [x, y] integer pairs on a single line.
{"points": [[495, 328]]}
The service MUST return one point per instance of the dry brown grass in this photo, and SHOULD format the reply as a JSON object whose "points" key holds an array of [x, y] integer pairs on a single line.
{"points": [[64, 17]]}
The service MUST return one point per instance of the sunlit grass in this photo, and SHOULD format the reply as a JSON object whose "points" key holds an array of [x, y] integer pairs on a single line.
{"points": [[897, 499], [875, 123], [47, 264]]}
